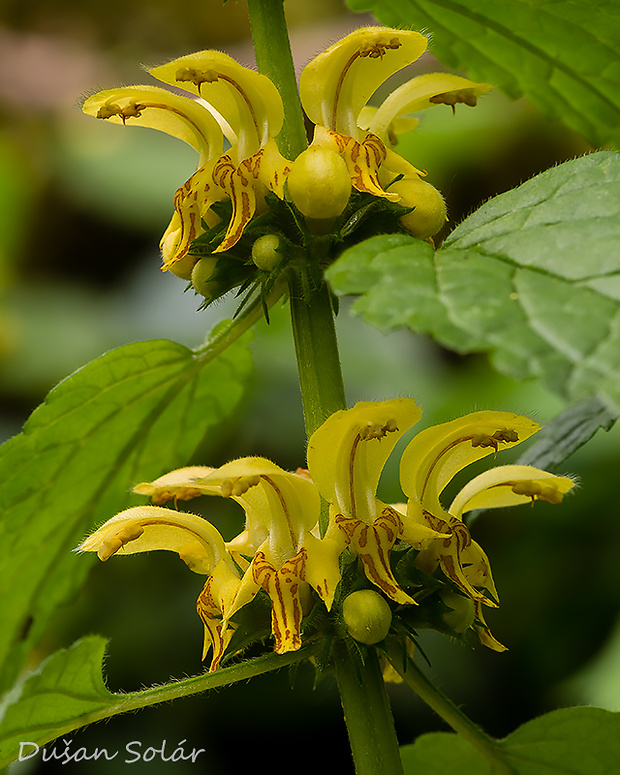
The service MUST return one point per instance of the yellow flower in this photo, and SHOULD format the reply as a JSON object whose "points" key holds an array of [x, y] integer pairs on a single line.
{"points": [[431, 461], [233, 101], [336, 86], [346, 456], [282, 509], [280, 551], [198, 544], [226, 100]]}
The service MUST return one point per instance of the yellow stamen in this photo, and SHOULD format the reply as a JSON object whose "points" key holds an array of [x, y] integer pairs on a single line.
{"points": [[134, 110], [452, 98], [115, 542], [239, 485]]}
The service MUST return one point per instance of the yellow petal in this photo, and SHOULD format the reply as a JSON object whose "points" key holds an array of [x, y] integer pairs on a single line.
{"points": [[145, 528], [438, 453], [347, 453], [249, 101], [238, 183], [191, 206], [284, 504], [246, 592], [212, 606], [178, 485], [373, 543], [509, 486], [448, 550], [283, 585], [273, 168], [451, 553], [321, 568], [417, 534], [187, 483], [486, 638], [337, 84], [363, 159], [424, 92], [150, 106], [400, 125], [477, 569], [395, 165]]}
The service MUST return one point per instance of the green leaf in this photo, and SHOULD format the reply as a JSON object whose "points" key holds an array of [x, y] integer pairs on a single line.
{"points": [[564, 55], [566, 433], [67, 692], [532, 277], [128, 416], [570, 741]]}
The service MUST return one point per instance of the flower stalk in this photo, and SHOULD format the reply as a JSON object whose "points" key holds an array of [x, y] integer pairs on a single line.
{"points": [[366, 707], [316, 346], [447, 710], [275, 60], [367, 714]]}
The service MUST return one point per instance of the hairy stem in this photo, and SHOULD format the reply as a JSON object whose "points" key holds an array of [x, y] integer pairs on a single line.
{"points": [[113, 704], [233, 329], [366, 707], [367, 714], [274, 59], [444, 707], [318, 360]]}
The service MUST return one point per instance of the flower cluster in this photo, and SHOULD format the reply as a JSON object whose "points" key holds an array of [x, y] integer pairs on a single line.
{"points": [[351, 151], [281, 551]]}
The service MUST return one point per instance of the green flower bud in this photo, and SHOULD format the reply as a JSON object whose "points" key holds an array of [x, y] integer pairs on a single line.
{"points": [[202, 273], [430, 209], [319, 183], [264, 252], [462, 615], [367, 616]]}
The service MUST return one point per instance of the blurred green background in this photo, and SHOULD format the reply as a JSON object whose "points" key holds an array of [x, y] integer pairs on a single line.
{"points": [[82, 208]]}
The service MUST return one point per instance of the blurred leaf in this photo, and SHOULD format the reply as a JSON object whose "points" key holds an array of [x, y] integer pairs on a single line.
{"points": [[566, 433], [533, 277], [129, 177], [570, 741], [67, 692], [130, 415], [561, 54], [16, 204]]}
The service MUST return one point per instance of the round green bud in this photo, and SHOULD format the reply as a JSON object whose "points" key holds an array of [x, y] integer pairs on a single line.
{"points": [[462, 615], [202, 273], [319, 183], [430, 209], [265, 252], [367, 616]]}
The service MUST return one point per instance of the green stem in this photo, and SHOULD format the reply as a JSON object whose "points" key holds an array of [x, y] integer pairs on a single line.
{"points": [[318, 360], [233, 329], [367, 714], [366, 707], [449, 712], [113, 704], [274, 59]]}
